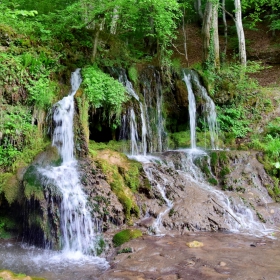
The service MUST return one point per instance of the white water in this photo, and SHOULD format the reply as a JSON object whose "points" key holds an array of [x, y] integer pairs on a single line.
{"points": [[150, 120], [137, 146], [209, 109], [133, 133], [78, 230], [161, 188], [192, 109]]}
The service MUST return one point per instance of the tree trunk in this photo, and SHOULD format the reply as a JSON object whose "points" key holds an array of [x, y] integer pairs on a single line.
{"points": [[114, 22], [240, 32], [185, 39], [99, 26], [210, 34], [197, 7], [225, 28]]}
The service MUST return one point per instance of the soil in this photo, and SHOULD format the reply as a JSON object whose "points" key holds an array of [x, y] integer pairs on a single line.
{"points": [[261, 45]]}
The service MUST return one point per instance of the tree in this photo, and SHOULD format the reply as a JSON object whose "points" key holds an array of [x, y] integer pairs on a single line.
{"points": [[211, 56], [240, 33]]}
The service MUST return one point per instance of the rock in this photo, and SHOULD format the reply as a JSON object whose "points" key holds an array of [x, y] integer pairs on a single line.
{"points": [[190, 263], [195, 244], [222, 264]]}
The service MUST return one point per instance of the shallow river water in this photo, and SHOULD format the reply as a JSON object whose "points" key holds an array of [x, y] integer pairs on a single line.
{"points": [[223, 256]]}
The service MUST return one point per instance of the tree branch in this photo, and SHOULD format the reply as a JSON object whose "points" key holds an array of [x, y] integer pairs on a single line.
{"points": [[228, 13]]}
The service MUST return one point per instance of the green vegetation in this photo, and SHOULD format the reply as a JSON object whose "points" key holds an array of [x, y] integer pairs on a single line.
{"points": [[103, 91], [125, 236], [123, 175], [125, 251], [7, 274], [41, 43]]}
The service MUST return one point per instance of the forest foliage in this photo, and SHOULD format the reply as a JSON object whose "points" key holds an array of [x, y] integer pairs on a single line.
{"points": [[41, 42]]}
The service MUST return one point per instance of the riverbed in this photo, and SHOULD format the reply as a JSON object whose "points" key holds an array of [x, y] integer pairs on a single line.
{"points": [[221, 256]]}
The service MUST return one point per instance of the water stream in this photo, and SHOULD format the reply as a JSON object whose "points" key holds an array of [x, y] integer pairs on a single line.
{"points": [[77, 227], [192, 109], [209, 109], [79, 232], [144, 129]]}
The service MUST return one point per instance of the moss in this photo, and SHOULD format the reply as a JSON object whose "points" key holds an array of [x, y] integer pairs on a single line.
{"points": [[223, 157], [213, 181], [7, 274], [133, 74], [83, 106], [180, 139], [125, 251], [37, 145], [118, 146], [171, 212], [126, 235], [10, 186], [100, 246], [214, 159], [123, 176], [261, 217], [225, 171], [32, 183]]}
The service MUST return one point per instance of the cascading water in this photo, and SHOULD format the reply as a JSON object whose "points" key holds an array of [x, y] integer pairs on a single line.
{"points": [[78, 230], [152, 92], [133, 133], [151, 175], [192, 109], [239, 217], [208, 109], [137, 146]]}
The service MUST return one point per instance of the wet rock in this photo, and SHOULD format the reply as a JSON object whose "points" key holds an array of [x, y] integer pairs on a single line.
{"points": [[195, 244]]}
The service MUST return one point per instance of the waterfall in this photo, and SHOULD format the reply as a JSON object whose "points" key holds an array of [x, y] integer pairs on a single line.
{"points": [[76, 224], [150, 136], [153, 98], [210, 111], [133, 133], [192, 109], [208, 108], [152, 177], [179, 167]]}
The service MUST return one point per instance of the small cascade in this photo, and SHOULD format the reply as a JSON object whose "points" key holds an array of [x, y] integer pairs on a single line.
{"points": [[145, 136], [192, 109], [208, 108], [152, 92], [152, 177], [239, 217], [78, 230], [133, 133], [210, 111]]}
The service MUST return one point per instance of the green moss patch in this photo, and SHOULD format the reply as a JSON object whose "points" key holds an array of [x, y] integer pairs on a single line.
{"points": [[126, 235], [9, 186], [7, 274], [32, 183], [123, 176]]}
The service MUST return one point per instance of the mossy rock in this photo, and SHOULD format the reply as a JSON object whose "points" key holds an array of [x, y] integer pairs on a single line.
{"points": [[10, 186], [32, 183], [123, 176], [125, 236], [9, 275]]}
